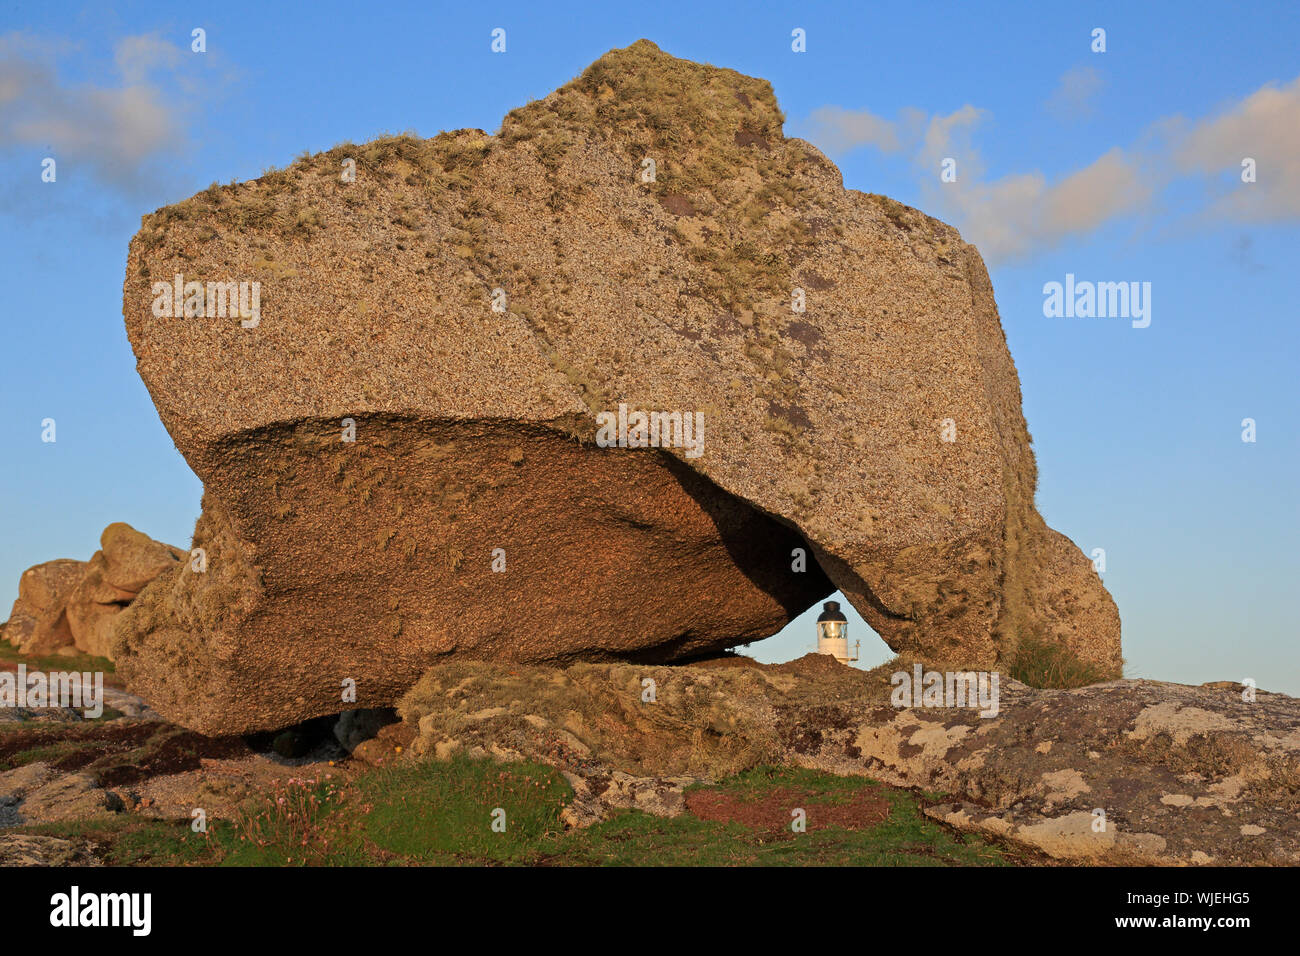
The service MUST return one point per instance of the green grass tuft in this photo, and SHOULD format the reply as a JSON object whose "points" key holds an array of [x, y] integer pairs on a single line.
{"points": [[1041, 662]]}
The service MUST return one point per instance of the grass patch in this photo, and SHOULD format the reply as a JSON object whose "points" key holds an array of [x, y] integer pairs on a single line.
{"points": [[1039, 662], [131, 841], [295, 824], [904, 838], [441, 813], [412, 814], [76, 661], [48, 753], [444, 812]]}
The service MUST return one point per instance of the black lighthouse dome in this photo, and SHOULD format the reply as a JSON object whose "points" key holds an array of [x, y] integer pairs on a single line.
{"points": [[831, 612]]}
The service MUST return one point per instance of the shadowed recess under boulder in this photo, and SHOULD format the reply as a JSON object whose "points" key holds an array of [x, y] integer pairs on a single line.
{"points": [[384, 553]]}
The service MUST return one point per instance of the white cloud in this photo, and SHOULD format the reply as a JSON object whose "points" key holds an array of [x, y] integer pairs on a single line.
{"points": [[114, 131], [1073, 97], [839, 130], [137, 56], [1265, 126], [1019, 213], [948, 137]]}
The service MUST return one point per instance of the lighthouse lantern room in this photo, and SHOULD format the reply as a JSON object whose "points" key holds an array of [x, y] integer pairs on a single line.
{"points": [[833, 633]]}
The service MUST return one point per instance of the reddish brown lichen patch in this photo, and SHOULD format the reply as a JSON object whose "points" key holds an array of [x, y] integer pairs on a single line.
{"points": [[773, 811]]}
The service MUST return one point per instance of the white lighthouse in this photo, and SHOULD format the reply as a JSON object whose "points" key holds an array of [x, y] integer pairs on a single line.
{"points": [[833, 633]]}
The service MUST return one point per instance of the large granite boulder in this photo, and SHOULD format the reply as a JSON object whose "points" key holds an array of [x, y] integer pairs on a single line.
{"points": [[443, 334], [72, 604], [37, 624]]}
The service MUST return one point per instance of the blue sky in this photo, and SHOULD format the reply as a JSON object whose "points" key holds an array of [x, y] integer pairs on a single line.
{"points": [[1114, 166]]}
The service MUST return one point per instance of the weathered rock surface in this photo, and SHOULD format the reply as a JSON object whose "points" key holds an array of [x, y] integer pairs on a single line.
{"points": [[33, 793], [92, 606], [129, 705], [1177, 774], [642, 553], [133, 559], [879, 427], [96, 771], [595, 795], [38, 623], [21, 849], [66, 603]]}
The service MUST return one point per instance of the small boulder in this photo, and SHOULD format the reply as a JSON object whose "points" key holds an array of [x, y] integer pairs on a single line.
{"points": [[356, 726], [134, 559]]}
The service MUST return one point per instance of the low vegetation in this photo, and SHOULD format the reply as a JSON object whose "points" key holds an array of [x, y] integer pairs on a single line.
{"points": [[71, 660], [1041, 662], [442, 813]]}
